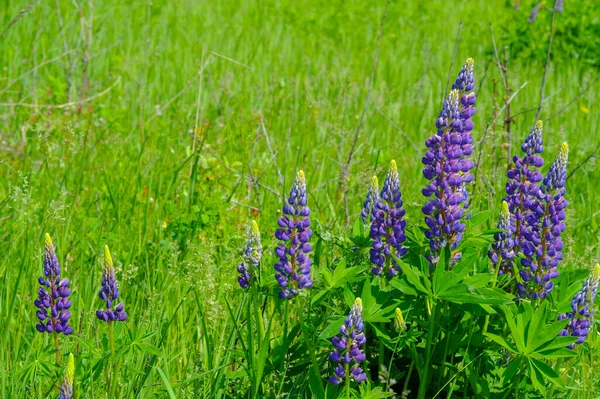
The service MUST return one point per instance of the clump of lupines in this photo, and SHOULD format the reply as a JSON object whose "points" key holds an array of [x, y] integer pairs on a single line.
{"points": [[66, 389], [53, 296], [448, 165], [251, 256], [582, 307], [109, 292], [367, 213], [545, 237], [347, 347], [502, 253], [294, 265], [387, 226], [523, 195]]}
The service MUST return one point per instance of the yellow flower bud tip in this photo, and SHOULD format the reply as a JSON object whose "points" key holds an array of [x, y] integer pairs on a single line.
{"points": [[393, 167], [108, 261], [70, 371], [399, 322], [596, 273], [539, 125], [505, 211], [48, 241], [301, 175], [254, 227], [358, 304], [470, 63], [375, 182]]}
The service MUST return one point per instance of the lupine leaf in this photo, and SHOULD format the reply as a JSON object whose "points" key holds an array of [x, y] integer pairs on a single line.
{"points": [[479, 218], [501, 341]]}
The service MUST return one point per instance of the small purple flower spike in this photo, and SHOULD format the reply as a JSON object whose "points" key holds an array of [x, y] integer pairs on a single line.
{"points": [[53, 296], [582, 307], [251, 256], [66, 388], [367, 213], [109, 293], [387, 226], [347, 348], [549, 214], [447, 166], [502, 254], [294, 265]]}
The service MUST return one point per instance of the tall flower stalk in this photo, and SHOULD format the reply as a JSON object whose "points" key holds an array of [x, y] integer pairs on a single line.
{"points": [[66, 389], [53, 297], [548, 223], [347, 353], [251, 256], [582, 309], [294, 265], [447, 167], [367, 213], [387, 226]]}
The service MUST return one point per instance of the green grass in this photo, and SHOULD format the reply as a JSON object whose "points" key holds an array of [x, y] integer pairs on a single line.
{"points": [[121, 169]]}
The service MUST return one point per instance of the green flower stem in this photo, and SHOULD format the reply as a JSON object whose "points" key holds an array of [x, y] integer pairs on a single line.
{"points": [[430, 336]]}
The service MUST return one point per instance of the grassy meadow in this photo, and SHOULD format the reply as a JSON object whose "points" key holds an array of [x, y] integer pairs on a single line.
{"points": [[162, 128]]}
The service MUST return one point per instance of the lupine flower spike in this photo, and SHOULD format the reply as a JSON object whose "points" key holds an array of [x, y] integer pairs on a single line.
{"points": [[387, 227], [66, 389], [582, 307], [109, 292], [502, 254], [251, 256], [347, 353], [294, 265], [523, 196], [367, 212], [53, 296], [537, 274], [447, 167], [399, 322]]}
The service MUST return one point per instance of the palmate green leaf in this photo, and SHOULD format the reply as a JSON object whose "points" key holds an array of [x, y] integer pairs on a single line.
{"points": [[537, 377], [479, 218], [502, 342], [333, 328], [415, 278], [548, 334], [547, 371], [511, 370], [536, 324]]}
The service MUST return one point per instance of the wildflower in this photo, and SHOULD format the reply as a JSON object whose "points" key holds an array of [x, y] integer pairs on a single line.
{"points": [[347, 348], [294, 265], [66, 389], [53, 296], [534, 12], [502, 254], [367, 214], [387, 226], [582, 307], [110, 292], [251, 256], [399, 322], [545, 237], [448, 165]]}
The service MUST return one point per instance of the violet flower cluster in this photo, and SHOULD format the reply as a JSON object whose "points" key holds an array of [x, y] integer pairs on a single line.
{"points": [[582, 307], [547, 224], [294, 265], [387, 226], [367, 213], [502, 253], [448, 165], [53, 296], [109, 293], [347, 352], [251, 256], [66, 388]]}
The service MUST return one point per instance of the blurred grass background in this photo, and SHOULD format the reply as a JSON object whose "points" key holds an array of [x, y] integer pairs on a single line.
{"points": [[137, 124]]}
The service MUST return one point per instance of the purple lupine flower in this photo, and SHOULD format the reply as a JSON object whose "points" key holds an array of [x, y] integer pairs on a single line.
{"points": [[347, 348], [537, 274], [53, 296], [109, 292], [66, 388], [294, 265], [448, 165], [387, 226], [523, 195], [502, 253], [534, 12], [251, 256], [559, 6], [582, 307], [367, 213]]}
